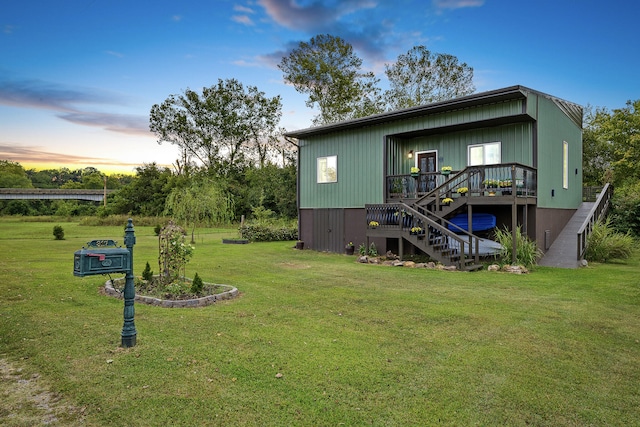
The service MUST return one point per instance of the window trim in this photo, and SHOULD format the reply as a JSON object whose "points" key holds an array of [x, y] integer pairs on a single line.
{"points": [[322, 172], [565, 165], [484, 146]]}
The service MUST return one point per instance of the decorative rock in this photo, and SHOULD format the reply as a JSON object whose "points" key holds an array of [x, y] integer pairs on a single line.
{"points": [[431, 265], [410, 264], [363, 259], [391, 256], [515, 269], [449, 268], [374, 260], [584, 263], [397, 263], [493, 267]]}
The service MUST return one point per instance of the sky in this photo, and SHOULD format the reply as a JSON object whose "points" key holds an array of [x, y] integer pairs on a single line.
{"points": [[78, 78]]}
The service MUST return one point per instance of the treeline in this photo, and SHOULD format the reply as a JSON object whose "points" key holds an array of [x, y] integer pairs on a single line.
{"points": [[158, 191], [611, 154]]}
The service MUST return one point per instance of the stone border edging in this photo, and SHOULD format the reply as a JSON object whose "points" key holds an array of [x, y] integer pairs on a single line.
{"points": [[235, 241], [198, 302]]}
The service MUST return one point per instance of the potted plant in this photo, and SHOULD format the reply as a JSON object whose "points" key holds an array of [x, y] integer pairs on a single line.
{"points": [[462, 191], [373, 224], [415, 171], [446, 170], [505, 186], [447, 200], [349, 249], [416, 230]]}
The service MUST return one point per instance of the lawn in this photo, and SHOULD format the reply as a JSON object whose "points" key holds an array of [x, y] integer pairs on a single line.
{"points": [[317, 339]]}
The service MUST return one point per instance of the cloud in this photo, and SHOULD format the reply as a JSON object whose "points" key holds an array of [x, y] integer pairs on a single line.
{"points": [[50, 96], [64, 101], [114, 53], [122, 123], [457, 4], [35, 155], [243, 9], [242, 19], [313, 17]]}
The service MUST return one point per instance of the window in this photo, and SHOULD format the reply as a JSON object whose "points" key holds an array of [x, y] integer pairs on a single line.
{"points": [[327, 169], [565, 165], [484, 154]]}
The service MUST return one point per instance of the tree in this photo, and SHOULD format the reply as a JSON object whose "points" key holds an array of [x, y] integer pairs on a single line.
{"points": [[597, 153], [221, 125], [13, 175], [327, 69], [622, 130], [205, 201], [146, 194], [422, 77], [611, 145]]}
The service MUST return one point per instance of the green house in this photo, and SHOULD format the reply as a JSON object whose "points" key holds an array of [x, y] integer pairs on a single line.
{"points": [[514, 155]]}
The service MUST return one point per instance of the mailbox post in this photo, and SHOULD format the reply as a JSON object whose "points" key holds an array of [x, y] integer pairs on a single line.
{"points": [[103, 257], [129, 328]]}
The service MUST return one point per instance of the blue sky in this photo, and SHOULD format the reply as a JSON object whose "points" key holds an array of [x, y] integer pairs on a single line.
{"points": [[78, 78]]}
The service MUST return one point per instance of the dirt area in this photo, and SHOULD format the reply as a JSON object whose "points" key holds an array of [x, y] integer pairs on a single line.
{"points": [[25, 400]]}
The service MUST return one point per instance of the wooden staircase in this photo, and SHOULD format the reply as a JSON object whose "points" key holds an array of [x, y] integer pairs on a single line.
{"points": [[426, 231]]}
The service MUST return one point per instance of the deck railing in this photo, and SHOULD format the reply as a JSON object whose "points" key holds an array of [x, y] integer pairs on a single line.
{"points": [[599, 210], [507, 179], [403, 218]]}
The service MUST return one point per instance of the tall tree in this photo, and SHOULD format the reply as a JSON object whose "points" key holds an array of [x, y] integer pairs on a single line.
{"points": [[422, 77], [597, 152], [223, 124], [13, 175], [327, 69]]}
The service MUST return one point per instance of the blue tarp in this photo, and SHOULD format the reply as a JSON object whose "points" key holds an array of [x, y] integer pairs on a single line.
{"points": [[480, 222]]}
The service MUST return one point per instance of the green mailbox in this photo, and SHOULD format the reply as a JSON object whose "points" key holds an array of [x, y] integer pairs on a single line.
{"points": [[101, 257]]}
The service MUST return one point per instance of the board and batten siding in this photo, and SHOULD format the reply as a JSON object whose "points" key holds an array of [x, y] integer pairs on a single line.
{"points": [[554, 128], [359, 161], [516, 143]]}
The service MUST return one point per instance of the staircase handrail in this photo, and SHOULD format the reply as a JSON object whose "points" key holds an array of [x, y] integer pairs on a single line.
{"points": [[464, 177], [599, 209], [472, 240], [449, 184]]}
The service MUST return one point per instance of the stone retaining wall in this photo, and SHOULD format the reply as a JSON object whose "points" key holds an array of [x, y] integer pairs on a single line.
{"points": [[198, 302]]}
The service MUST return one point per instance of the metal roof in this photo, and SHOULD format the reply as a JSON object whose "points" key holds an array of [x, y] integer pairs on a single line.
{"points": [[572, 110]]}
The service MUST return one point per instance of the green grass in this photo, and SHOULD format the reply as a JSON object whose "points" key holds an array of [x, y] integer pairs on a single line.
{"points": [[355, 344]]}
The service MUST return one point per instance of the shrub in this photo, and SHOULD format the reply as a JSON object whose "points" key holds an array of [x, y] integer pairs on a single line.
{"points": [[174, 253], [58, 232], [371, 251], [268, 233], [197, 284], [527, 252], [604, 243], [147, 274], [625, 209]]}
